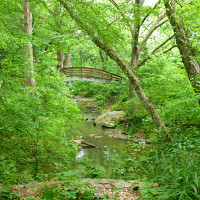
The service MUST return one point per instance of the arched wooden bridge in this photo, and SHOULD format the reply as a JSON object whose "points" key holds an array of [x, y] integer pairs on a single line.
{"points": [[89, 74]]}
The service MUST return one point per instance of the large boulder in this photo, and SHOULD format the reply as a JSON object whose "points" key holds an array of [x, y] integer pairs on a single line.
{"points": [[110, 119]]}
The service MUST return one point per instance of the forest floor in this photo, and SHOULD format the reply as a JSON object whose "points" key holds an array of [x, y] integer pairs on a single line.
{"points": [[115, 189]]}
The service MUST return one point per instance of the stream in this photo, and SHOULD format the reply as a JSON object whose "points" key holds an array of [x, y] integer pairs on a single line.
{"points": [[102, 138]]}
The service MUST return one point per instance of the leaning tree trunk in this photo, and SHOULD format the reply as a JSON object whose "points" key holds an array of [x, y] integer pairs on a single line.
{"points": [[135, 82], [187, 52], [30, 80], [132, 77]]}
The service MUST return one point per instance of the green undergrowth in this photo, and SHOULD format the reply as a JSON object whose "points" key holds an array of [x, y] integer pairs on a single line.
{"points": [[35, 126], [103, 93], [174, 166], [6, 193]]}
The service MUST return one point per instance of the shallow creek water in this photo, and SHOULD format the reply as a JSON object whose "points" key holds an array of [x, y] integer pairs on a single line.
{"points": [[98, 136]]}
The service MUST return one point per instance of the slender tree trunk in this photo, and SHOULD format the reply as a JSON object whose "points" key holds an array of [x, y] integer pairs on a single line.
{"points": [[81, 58], [187, 52], [67, 58], [35, 54], [103, 59], [135, 49], [60, 59], [30, 80], [36, 155], [69, 53]]}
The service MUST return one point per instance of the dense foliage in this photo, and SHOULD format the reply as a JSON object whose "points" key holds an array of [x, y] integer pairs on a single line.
{"points": [[37, 122]]}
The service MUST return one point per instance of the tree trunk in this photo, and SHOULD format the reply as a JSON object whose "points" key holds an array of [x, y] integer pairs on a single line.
{"points": [[187, 52], [103, 59], [67, 58], [135, 50], [135, 82], [30, 80], [131, 91], [35, 54], [81, 58], [134, 64], [60, 59]]}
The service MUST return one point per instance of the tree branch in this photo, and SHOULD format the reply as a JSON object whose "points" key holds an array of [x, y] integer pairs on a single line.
{"points": [[122, 14], [147, 15], [169, 49], [51, 12], [42, 17], [154, 26], [9, 29], [113, 21], [154, 51]]}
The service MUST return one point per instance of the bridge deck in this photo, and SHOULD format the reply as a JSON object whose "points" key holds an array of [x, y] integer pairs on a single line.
{"points": [[90, 72]]}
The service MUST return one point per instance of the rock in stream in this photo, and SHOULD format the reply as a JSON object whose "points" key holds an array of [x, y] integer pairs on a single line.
{"points": [[110, 119]]}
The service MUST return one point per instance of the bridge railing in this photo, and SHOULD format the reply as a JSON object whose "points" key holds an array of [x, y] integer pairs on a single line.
{"points": [[90, 72]]}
